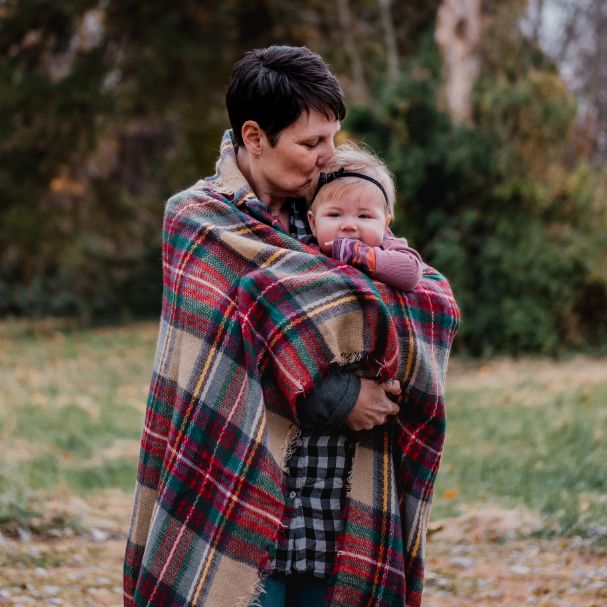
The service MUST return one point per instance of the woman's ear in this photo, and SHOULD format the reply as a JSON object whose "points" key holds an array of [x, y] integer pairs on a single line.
{"points": [[252, 136], [312, 222]]}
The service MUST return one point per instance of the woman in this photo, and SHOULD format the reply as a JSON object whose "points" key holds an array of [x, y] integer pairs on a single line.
{"points": [[256, 331]]}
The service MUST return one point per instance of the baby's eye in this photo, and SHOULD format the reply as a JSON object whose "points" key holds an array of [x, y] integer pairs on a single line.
{"points": [[333, 214], [364, 216]]}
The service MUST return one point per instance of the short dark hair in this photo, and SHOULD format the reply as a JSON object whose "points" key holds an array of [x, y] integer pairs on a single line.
{"points": [[273, 86]]}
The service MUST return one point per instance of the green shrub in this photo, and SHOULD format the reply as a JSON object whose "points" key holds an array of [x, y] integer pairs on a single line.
{"points": [[495, 207]]}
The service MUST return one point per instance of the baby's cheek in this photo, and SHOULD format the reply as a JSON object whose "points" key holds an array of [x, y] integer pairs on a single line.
{"points": [[326, 233], [377, 237]]}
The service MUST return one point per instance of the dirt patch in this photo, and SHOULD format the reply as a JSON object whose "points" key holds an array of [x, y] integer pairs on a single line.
{"points": [[485, 558], [77, 564], [555, 375], [475, 559], [75, 572], [515, 573]]}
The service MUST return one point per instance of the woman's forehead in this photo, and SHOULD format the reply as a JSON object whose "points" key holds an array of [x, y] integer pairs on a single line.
{"points": [[314, 123]]}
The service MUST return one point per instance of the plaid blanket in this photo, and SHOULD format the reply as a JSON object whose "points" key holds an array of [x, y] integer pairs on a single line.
{"points": [[251, 319]]}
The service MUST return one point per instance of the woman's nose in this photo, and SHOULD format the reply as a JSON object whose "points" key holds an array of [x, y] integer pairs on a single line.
{"points": [[326, 153]]}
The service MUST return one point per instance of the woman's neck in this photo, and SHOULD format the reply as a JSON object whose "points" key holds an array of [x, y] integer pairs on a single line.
{"points": [[258, 184]]}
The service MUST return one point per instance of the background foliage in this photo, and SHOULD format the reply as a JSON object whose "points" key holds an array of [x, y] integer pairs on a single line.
{"points": [[106, 108]]}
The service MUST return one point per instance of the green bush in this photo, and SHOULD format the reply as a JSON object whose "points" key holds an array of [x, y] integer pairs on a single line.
{"points": [[494, 207]]}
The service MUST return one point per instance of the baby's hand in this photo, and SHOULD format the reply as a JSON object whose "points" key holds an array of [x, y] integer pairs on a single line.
{"points": [[354, 252]]}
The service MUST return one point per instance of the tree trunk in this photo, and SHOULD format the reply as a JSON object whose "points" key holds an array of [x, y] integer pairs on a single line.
{"points": [[391, 48], [458, 34], [598, 76], [359, 88], [538, 20]]}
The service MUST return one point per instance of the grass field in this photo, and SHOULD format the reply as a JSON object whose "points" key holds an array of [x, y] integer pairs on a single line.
{"points": [[528, 434], [71, 411], [520, 513]]}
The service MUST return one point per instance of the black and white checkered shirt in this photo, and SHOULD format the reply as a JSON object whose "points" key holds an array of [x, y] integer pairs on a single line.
{"points": [[316, 482], [316, 495]]}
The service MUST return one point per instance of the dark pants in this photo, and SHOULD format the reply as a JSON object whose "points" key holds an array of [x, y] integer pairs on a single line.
{"points": [[297, 590]]}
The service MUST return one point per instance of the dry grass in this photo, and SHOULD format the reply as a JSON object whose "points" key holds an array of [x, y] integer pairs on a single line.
{"points": [[525, 458]]}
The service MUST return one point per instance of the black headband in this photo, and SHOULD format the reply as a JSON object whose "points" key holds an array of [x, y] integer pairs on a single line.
{"points": [[325, 178]]}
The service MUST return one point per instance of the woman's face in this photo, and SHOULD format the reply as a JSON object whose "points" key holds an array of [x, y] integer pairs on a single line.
{"points": [[292, 166]]}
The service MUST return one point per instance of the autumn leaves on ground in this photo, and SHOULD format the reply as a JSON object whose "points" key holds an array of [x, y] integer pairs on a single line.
{"points": [[520, 515]]}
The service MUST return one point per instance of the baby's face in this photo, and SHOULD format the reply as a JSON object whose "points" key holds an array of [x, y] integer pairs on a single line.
{"points": [[358, 211]]}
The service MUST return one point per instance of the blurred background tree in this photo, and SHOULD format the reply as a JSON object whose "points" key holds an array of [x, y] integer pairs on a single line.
{"points": [[490, 114]]}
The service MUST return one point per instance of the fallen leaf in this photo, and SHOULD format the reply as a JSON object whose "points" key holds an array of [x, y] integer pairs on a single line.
{"points": [[450, 494]]}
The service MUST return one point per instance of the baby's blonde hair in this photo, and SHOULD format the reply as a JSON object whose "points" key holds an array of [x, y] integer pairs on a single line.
{"points": [[357, 158]]}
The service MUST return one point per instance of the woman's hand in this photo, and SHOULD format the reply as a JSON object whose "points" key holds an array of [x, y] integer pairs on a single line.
{"points": [[373, 407]]}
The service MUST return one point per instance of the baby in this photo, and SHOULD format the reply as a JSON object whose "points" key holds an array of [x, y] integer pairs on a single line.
{"points": [[350, 210]]}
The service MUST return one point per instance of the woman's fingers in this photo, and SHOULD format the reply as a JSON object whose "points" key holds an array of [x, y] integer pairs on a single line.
{"points": [[373, 407], [391, 386]]}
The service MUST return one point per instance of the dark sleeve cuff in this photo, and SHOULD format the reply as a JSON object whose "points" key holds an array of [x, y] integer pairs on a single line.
{"points": [[329, 404]]}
